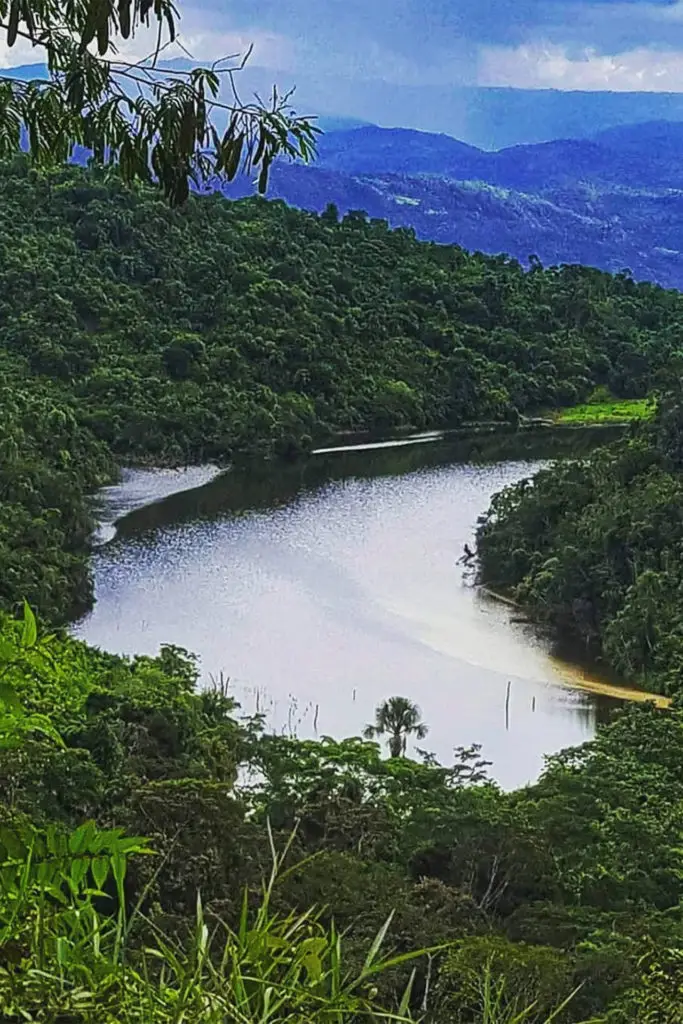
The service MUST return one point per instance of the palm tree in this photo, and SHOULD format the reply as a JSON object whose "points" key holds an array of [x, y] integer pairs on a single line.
{"points": [[398, 717]]}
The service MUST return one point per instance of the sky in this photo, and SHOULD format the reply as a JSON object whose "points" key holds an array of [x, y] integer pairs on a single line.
{"points": [[401, 62], [620, 45], [564, 44]]}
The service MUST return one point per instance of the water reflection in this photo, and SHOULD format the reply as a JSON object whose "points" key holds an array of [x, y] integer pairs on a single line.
{"points": [[323, 588]]}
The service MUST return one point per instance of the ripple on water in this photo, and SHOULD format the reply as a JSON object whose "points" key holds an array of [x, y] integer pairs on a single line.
{"points": [[319, 608]]}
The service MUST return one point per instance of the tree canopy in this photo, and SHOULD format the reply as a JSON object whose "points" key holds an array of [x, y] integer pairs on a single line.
{"points": [[593, 548], [399, 719], [132, 331], [562, 898]]}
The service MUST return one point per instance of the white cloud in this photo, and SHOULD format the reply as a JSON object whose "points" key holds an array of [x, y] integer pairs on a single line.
{"points": [[269, 50], [204, 44], [548, 66], [21, 53]]}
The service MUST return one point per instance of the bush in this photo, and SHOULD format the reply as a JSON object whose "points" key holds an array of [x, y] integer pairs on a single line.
{"points": [[486, 972]]}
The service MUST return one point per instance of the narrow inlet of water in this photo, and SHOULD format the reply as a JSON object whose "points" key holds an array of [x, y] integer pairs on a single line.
{"points": [[322, 589]]}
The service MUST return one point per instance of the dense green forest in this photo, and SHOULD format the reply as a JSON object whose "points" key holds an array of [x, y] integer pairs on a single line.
{"points": [[593, 548], [132, 332], [571, 886]]}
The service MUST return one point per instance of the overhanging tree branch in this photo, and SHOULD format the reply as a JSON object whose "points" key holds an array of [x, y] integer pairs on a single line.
{"points": [[155, 124]]}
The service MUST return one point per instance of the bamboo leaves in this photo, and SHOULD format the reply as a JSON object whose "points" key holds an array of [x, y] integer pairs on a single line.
{"points": [[29, 633], [153, 124]]}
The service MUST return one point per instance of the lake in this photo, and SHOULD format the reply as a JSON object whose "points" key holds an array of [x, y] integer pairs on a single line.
{"points": [[325, 587]]}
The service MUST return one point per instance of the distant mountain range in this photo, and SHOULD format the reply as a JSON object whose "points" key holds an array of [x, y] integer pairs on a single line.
{"points": [[613, 201], [605, 191], [486, 117]]}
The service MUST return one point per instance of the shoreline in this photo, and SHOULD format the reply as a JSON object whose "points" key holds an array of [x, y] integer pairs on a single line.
{"points": [[153, 484], [360, 440], [341, 443], [580, 678], [156, 484]]}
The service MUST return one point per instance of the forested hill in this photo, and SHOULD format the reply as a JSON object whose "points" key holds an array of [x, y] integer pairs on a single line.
{"points": [[130, 332], [593, 549], [137, 332], [228, 326], [610, 201]]}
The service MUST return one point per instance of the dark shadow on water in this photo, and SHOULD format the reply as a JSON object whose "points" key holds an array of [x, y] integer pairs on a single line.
{"points": [[269, 484]]}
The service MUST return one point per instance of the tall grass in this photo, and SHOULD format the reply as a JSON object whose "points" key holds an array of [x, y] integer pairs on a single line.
{"points": [[62, 960], [65, 960], [496, 1006]]}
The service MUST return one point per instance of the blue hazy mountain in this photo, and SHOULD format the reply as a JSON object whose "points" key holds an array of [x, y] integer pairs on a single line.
{"points": [[339, 124], [604, 191], [366, 149], [25, 72], [488, 118], [613, 201], [500, 118], [646, 154]]}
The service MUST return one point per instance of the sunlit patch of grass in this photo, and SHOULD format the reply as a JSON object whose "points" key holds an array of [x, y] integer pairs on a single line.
{"points": [[616, 411]]}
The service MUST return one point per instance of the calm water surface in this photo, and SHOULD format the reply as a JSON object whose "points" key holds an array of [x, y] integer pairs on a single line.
{"points": [[321, 590]]}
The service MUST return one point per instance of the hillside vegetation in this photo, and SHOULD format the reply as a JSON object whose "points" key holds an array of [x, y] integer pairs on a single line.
{"points": [[611, 201], [133, 332], [572, 886], [593, 548], [139, 815]]}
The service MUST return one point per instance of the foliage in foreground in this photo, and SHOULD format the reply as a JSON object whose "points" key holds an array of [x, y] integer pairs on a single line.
{"points": [[155, 124], [68, 956], [572, 887]]}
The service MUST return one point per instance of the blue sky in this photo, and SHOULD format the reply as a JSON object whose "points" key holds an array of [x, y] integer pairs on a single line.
{"points": [[566, 44], [621, 45]]}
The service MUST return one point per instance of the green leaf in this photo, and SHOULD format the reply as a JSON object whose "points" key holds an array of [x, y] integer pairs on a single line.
{"points": [[52, 837], [407, 994], [8, 878], [13, 24], [119, 864], [29, 633], [100, 870], [133, 844], [377, 943], [78, 870], [311, 951], [8, 697], [12, 843], [80, 839], [46, 872], [7, 651], [41, 724], [233, 158], [124, 17]]}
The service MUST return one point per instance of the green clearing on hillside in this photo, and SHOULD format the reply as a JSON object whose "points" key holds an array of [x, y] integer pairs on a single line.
{"points": [[618, 411]]}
